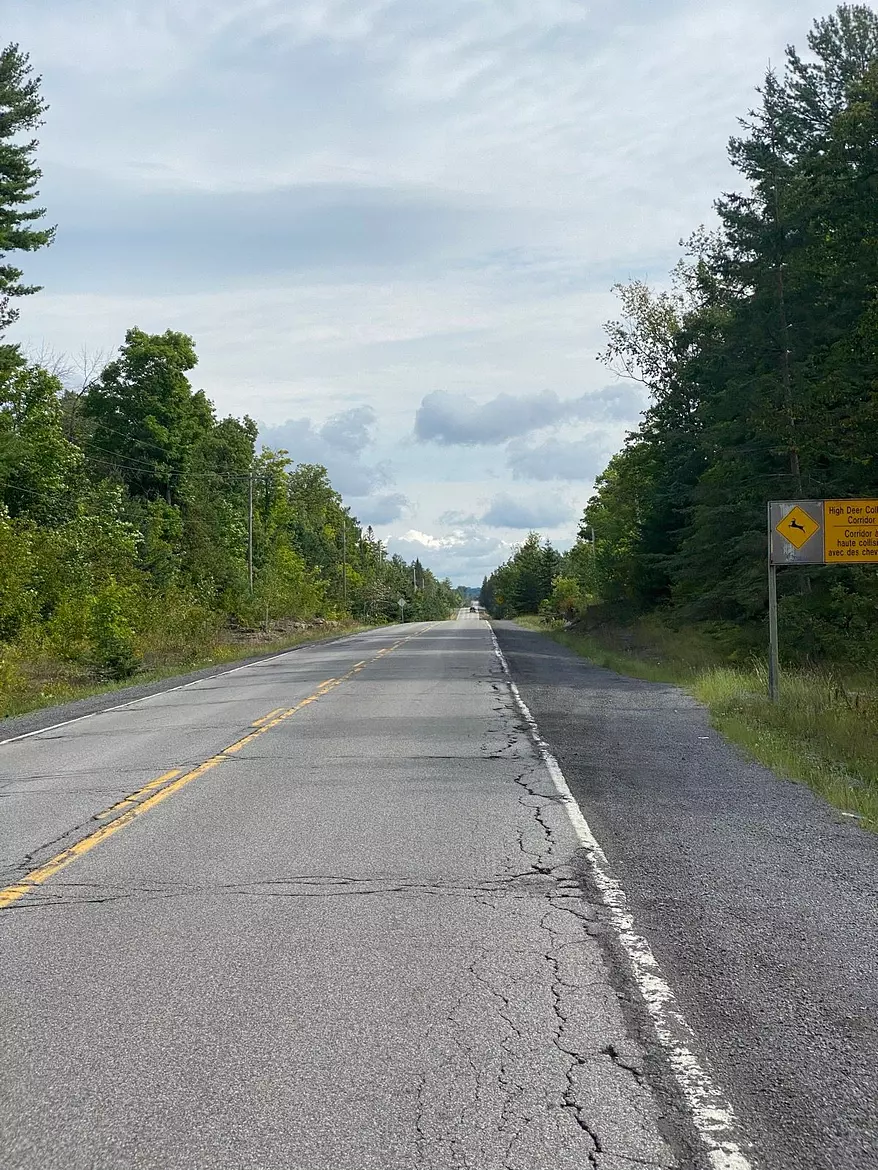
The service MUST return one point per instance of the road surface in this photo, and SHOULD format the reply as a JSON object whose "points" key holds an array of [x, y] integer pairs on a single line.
{"points": [[332, 910], [759, 901]]}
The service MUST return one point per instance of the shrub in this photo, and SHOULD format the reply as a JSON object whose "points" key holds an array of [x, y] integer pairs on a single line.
{"points": [[111, 634]]}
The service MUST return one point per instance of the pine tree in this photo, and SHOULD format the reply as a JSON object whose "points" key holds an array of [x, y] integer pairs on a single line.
{"points": [[21, 110]]}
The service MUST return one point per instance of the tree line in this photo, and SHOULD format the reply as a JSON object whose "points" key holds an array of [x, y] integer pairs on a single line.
{"points": [[761, 363], [130, 514]]}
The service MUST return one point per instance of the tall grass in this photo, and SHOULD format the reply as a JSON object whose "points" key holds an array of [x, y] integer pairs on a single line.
{"points": [[823, 731], [32, 677]]}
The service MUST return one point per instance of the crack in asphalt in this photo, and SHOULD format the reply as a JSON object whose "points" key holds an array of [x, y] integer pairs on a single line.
{"points": [[507, 1080]]}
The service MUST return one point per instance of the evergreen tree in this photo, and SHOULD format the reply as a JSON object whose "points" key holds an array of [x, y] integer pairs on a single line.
{"points": [[21, 111]]}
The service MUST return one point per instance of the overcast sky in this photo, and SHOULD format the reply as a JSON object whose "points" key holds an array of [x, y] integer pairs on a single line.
{"points": [[391, 226]]}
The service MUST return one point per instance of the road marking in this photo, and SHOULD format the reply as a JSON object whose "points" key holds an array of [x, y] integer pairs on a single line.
{"points": [[158, 790], [139, 794], [262, 718], [183, 687], [713, 1116]]}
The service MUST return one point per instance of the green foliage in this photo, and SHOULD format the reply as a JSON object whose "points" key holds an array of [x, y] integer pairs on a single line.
{"points": [[21, 110], [566, 599], [525, 581], [133, 538], [146, 421], [135, 525], [38, 465], [762, 368], [19, 601], [111, 632], [761, 364]]}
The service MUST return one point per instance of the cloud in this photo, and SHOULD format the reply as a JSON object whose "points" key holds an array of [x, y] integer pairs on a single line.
{"points": [[350, 431], [127, 238], [337, 445], [543, 512], [380, 509], [457, 519], [455, 419], [362, 204], [560, 459], [458, 548]]}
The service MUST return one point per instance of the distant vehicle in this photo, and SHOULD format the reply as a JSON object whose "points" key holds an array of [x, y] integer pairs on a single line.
{"points": [[474, 609]]}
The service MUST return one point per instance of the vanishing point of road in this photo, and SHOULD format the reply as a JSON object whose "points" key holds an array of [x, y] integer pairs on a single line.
{"points": [[428, 896]]}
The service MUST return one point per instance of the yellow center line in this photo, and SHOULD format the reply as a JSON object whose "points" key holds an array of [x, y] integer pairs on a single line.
{"points": [[139, 794], [153, 793], [262, 718]]}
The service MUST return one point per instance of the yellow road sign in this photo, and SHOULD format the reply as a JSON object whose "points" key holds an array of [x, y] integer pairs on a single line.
{"points": [[797, 527], [850, 532]]}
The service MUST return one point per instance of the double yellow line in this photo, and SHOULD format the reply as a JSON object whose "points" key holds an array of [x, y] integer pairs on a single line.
{"points": [[126, 811]]}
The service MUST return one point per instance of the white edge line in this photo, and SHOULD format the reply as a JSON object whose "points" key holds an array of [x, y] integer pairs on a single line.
{"points": [[181, 687], [712, 1114]]}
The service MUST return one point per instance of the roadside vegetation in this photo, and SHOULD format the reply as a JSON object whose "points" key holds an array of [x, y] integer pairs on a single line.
{"points": [[42, 680], [140, 533], [759, 365]]}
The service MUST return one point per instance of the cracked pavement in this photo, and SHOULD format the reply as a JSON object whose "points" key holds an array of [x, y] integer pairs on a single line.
{"points": [[363, 942], [759, 901]]}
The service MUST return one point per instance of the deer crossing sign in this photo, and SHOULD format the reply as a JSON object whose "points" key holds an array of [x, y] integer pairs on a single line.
{"points": [[815, 532], [823, 532]]}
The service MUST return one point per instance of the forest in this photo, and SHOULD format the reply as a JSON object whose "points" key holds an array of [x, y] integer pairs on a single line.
{"points": [[138, 529], [760, 358]]}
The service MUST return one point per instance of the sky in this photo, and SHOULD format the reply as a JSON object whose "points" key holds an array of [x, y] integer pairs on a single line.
{"points": [[391, 226]]}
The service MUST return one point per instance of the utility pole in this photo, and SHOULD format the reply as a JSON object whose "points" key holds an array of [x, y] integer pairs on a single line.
{"points": [[250, 530], [344, 560]]}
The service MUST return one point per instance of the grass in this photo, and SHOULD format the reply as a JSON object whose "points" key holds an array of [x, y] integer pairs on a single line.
{"points": [[37, 682], [823, 731]]}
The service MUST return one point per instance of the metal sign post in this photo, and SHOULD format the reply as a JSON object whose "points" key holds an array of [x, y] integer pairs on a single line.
{"points": [[402, 604], [773, 654], [815, 532]]}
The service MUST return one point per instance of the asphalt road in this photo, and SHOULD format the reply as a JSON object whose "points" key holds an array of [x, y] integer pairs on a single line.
{"points": [[759, 902], [322, 912]]}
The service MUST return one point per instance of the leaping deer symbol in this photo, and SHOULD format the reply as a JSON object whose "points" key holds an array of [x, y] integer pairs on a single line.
{"points": [[795, 524]]}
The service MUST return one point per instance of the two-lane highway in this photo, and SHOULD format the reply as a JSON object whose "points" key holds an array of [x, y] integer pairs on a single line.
{"points": [[322, 912]]}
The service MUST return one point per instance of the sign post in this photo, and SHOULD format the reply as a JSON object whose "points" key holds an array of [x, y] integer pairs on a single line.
{"points": [[815, 532], [402, 604], [773, 655]]}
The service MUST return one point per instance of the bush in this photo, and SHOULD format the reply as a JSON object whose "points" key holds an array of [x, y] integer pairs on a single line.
{"points": [[13, 684], [111, 634], [566, 600], [68, 631]]}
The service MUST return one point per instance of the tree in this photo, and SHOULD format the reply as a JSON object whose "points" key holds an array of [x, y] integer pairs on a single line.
{"points": [[21, 110], [146, 418], [762, 368], [37, 463], [524, 581]]}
